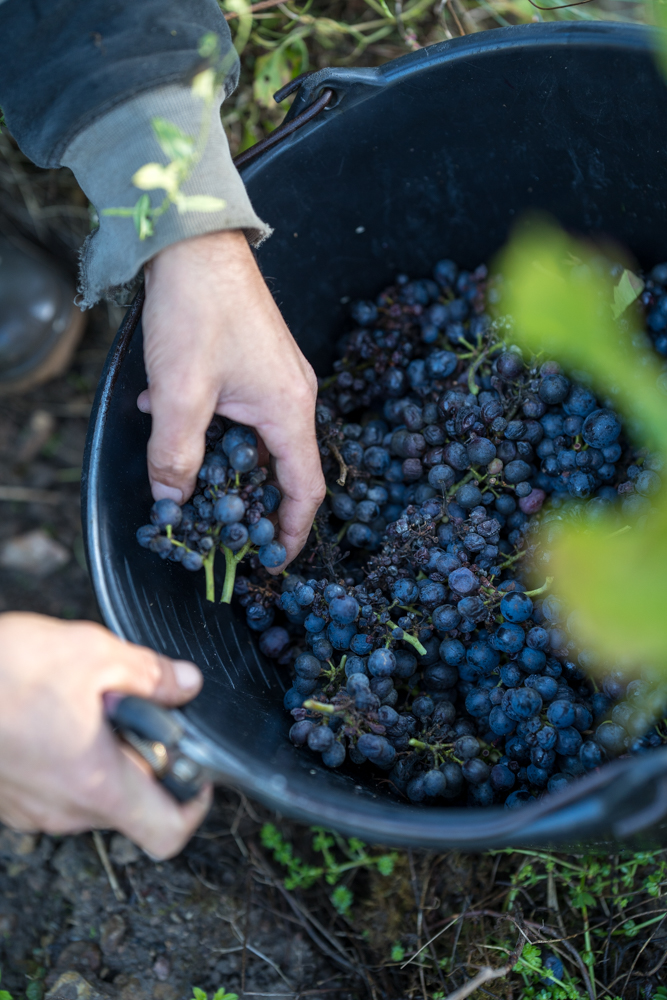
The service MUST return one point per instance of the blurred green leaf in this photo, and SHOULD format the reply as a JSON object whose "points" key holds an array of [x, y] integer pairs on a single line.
{"points": [[385, 864], [199, 203], [628, 289], [174, 143], [141, 215], [342, 900], [154, 175], [657, 12], [208, 46], [617, 583], [560, 299], [277, 68]]}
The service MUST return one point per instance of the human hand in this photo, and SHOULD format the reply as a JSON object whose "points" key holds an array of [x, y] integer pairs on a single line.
{"points": [[215, 342], [62, 770]]}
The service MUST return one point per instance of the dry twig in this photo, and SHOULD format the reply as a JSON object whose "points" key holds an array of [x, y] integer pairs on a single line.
{"points": [[106, 864]]}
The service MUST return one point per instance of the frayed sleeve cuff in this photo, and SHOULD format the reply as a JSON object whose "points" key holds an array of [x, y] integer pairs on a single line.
{"points": [[104, 158]]}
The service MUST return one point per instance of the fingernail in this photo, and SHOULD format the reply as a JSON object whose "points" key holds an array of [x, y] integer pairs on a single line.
{"points": [[187, 675], [162, 492]]}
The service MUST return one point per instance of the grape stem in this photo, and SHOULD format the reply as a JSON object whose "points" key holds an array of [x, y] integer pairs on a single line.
{"points": [[545, 586], [512, 559], [319, 706], [210, 580], [410, 638], [342, 465], [231, 562]]}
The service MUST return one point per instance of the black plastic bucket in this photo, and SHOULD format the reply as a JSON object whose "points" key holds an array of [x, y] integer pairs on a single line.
{"points": [[433, 155]]}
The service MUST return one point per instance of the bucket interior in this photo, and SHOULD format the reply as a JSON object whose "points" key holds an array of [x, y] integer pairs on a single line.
{"points": [[439, 158]]}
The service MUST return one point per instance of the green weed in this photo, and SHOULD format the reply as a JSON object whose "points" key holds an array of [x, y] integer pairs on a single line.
{"points": [[301, 875], [220, 994]]}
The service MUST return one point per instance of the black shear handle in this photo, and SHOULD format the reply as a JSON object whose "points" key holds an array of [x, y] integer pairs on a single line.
{"points": [[155, 734]]}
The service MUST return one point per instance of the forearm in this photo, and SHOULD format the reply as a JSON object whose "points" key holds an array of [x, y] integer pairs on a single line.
{"points": [[81, 82]]}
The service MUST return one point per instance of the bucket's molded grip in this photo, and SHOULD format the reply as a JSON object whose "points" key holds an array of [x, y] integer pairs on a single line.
{"points": [[348, 85], [155, 733]]}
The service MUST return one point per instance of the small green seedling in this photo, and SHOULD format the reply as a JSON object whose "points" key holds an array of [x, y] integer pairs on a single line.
{"points": [[220, 994], [301, 875]]}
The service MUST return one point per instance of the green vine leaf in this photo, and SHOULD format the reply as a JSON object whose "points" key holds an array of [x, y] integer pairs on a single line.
{"points": [[198, 203], [628, 289], [277, 68], [154, 175], [174, 143], [141, 215]]}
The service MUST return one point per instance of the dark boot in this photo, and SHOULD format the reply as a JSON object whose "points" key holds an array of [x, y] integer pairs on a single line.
{"points": [[39, 324]]}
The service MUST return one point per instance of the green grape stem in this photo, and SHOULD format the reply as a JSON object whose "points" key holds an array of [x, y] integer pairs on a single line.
{"points": [[231, 562], [410, 638], [210, 580]]}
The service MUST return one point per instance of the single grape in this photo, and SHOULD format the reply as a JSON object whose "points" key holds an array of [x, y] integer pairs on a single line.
{"points": [[423, 707], [308, 666], [502, 779], [271, 499], [568, 741], [517, 799], [475, 771], [234, 536], [561, 714], [467, 747], [533, 661], [340, 636], [382, 663], [557, 782], [516, 607], [344, 610], [162, 546], [165, 512], [272, 555], [508, 638], [334, 756], [377, 749], [191, 560], [591, 755], [521, 703], [292, 699], [320, 738], [146, 533], [229, 509], [273, 641], [243, 458], [499, 722], [261, 533], [300, 731]]}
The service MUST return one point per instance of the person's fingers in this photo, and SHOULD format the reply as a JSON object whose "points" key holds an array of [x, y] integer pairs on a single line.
{"points": [[149, 815], [144, 401], [129, 669], [298, 470], [181, 406]]}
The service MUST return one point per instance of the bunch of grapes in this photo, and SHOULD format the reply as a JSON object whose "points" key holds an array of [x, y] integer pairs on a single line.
{"points": [[417, 645], [226, 512]]}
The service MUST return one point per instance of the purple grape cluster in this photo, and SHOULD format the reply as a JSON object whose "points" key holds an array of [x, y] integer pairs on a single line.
{"points": [[419, 623], [226, 513], [417, 644]]}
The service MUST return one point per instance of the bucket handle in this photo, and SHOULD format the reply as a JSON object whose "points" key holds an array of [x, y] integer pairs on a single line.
{"points": [[315, 91]]}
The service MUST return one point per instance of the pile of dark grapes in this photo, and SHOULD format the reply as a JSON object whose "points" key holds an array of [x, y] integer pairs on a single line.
{"points": [[419, 623], [226, 512]]}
